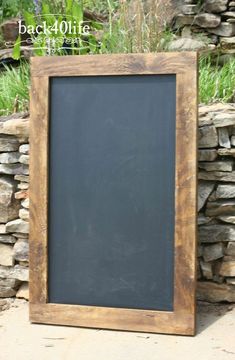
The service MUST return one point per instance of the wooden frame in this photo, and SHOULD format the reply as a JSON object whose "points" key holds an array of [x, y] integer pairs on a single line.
{"points": [[182, 319]]}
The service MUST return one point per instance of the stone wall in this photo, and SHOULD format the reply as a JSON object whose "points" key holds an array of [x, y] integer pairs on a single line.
{"points": [[14, 206], [216, 206], [209, 24]]}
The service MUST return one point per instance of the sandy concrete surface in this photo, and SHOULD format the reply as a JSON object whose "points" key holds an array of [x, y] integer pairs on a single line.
{"points": [[21, 340]]}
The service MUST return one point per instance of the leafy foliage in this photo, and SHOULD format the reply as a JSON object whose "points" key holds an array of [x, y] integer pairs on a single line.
{"points": [[12, 8], [14, 89]]}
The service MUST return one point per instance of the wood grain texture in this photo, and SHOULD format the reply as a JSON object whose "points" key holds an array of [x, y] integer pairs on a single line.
{"points": [[120, 64], [38, 189], [182, 319], [186, 195], [112, 318]]}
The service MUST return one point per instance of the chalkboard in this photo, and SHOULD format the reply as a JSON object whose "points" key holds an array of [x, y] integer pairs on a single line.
{"points": [[112, 186], [113, 191]]}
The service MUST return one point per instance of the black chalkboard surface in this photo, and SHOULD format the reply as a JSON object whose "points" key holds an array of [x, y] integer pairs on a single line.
{"points": [[111, 191]]}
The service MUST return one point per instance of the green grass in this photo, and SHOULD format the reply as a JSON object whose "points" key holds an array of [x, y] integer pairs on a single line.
{"points": [[216, 83], [14, 89], [137, 26]]}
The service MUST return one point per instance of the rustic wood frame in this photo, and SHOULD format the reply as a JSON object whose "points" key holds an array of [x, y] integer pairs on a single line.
{"points": [[182, 319]]}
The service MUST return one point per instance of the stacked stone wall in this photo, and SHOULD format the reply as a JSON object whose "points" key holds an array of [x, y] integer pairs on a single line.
{"points": [[205, 24]]}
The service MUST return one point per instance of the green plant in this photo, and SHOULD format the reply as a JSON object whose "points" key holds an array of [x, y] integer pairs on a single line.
{"points": [[216, 82], [14, 89], [100, 6], [12, 8]]}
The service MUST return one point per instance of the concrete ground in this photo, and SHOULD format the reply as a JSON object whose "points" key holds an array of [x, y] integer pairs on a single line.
{"points": [[21, 340]]}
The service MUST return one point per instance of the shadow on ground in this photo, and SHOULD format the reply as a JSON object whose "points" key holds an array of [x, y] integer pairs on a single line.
{"points": [[208, 314]]}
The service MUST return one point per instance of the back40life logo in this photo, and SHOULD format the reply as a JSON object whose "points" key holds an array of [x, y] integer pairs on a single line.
{"points": [[60, 36], [46, 33]]}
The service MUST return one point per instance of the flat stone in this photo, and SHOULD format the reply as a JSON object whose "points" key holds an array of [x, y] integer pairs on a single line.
{"points": [[207, 20], [182, 20], [227, 268], [202, 219], [25, 203], [206, 269], [227, 42], [225, 191], [23, 292], [9, 282], [9, 29], [230, 280], [224, 140], [227, 219], [24, 214], [212, 197], [21, 250], [18, 225], [23, 186], [17, 272], [217, 176], [9, 157], [24, 263], [6, 292], [5, 272], [205, 188], [212, 292], [20, 235], [24, 149], [229, 258], [216, 233], [186, 32], [207, 155], [215, 6], [213, 252], [9, 206], [22, 194], [205, 120], [7, 239], [233, 140], [2, 229], [199, 251], [24, 159], [186, 44], [23, 178], [21, 273], [8, 143], [217, 107], [230, 249], [14, 169], [226, 152], [228, 14], [224, 29], [18, 127], [224, 119], [217, 208], [6, 255], [216, 166], [189, 9], [208, 137]]}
